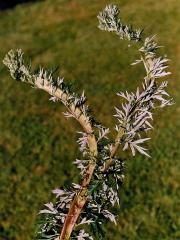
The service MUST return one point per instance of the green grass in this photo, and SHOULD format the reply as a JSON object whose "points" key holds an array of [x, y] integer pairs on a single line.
{"points": [[37, 145]]}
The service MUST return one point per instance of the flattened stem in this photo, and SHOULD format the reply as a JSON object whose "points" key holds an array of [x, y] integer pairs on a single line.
{"points": [[81, 197]]}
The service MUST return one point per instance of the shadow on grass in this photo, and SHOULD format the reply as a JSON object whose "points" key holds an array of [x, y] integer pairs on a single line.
{"points": [[5, 4]]}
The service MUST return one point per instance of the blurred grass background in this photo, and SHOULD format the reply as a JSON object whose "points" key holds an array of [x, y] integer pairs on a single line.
{"points": [[37, 145]]}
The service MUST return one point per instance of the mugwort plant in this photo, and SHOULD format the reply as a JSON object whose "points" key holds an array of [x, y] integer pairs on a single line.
{"points": [[81, 209]]}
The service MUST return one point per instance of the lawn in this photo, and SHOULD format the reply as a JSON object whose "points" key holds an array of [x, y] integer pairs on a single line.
{"points": [[38, 145]]}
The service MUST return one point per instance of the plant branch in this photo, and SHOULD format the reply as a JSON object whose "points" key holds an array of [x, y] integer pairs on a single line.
{"points": [[80, 199], [115, 148]]}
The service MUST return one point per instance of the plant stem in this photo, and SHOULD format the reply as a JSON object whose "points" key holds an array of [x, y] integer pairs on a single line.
{"points": [[81, 198]]}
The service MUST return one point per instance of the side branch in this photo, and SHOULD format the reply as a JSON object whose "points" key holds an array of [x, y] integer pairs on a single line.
{"points": [[115, 148]]}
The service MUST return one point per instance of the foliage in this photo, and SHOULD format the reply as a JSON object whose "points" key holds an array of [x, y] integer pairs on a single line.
{"points": [[96, 193], [103, 140]]}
